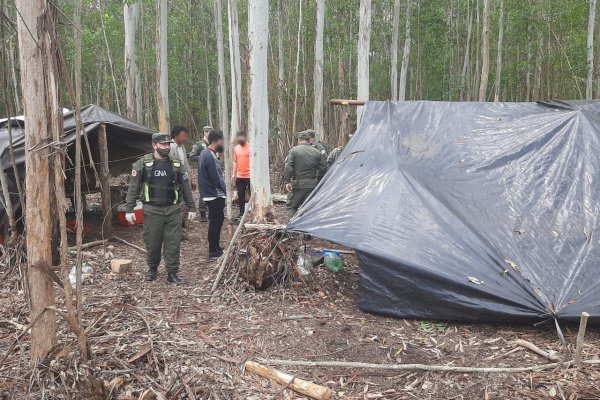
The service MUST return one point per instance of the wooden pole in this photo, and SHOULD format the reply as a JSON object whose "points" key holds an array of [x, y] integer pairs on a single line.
{"points": [[105, 183], [235, 235], [289, 381], [580, 336], [347, 102]]}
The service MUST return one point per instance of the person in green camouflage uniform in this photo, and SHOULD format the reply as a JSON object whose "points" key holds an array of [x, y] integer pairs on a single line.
{"points": [[159, 181], [193, 156], [304, 168], [332, 158], [317, 144]]}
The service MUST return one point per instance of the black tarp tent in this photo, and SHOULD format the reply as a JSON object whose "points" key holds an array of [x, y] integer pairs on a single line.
{"points": [[126, 139], [469, 211]]}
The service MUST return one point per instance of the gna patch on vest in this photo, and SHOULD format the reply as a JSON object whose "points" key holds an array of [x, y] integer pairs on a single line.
{"points": [[160, 172]]}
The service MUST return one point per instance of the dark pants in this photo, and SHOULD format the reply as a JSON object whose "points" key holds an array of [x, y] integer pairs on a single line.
{"points": [[242, 184], [216, 216]]}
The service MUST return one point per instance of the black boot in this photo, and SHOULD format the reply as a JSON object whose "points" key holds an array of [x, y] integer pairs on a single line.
{"points": [[215, 254], [151, 275], [203, 216], [174, 279]]}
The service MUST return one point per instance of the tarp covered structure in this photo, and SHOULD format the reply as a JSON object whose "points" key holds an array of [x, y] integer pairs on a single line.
{"points": [[126, 139], [469, 211]]}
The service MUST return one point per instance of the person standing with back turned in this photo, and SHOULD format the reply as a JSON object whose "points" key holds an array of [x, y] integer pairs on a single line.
{"points": [[241, 168], [159, 180], [212, 189], [304, 168], [194, 154]]}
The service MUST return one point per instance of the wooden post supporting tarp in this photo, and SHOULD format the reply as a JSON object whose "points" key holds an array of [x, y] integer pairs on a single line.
{"points": [[105, 183]]}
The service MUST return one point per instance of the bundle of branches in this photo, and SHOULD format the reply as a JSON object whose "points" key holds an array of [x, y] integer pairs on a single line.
{"points": [[264, 258], [13, 256]]}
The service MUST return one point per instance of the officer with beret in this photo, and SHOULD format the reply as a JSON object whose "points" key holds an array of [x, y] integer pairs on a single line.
{"points": [[160, 182]]}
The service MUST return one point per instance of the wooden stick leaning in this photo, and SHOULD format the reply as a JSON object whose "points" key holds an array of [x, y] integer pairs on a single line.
{"points": [[230, 246], [86, 246], [580, 336], [422, 367], [289, 381]]}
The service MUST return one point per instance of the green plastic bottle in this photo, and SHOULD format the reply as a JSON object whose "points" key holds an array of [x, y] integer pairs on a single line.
{"points": [[333, 260]]}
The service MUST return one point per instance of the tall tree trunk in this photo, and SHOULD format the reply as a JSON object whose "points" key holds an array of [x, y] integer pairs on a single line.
{"points": [[464, 79], [318, 71], [394, 49], [236, 69], [363, 49], [537, 86], [280, 72], [223, 111], [485, 51], [109, 57], [590, 50], [208, 80], [162, 69], [406, 53], [499, 57], [258, 116], [133, 88], [40, 84], [77, 35], [13, 67], [297, 72], [528, 67]]}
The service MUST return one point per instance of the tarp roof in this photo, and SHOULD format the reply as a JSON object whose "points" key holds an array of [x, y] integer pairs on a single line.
{"points": [[126, 139], [469, 211]]}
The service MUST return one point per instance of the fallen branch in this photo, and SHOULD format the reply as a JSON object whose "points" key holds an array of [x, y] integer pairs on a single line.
{"points": [[88, 245], [233, 239], [289, 381], [580, 336], [422, 367], [535, 349], [341, 251], [118, 239]]}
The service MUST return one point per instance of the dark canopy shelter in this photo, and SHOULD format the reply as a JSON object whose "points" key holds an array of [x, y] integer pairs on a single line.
{"points": [[469, 211], [126, 141]]}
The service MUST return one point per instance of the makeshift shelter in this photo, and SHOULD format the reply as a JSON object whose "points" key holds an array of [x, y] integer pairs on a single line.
{"points": [[125, 141], [469, 211]]}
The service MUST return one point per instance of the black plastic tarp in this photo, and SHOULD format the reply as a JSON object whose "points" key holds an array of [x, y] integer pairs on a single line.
{"points": [[126, 139], [469, 211]]}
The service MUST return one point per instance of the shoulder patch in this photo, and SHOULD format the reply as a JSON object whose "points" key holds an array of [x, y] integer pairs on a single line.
{"points": [[133, 172]]}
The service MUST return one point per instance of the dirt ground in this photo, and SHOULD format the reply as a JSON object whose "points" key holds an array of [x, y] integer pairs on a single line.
{"points": [[156, 341]]}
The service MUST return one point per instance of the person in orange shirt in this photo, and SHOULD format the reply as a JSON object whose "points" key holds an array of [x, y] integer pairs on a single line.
{"points": [[241, 168]]}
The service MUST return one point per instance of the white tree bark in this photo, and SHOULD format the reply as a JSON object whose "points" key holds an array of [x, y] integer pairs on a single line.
{"points": [[162, 70], [590, 50], [280, 70], [258, 115], [133, 87], [318, 71], [499, 55], [223, 111], [236, 69], [39, 80], [110, 62], [297, 72], [406, 53], [485, 51], [394, 49], [364, 44]]}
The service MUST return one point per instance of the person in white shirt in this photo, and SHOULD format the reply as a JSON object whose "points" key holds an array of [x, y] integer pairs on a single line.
{"points": [[180, 135]]}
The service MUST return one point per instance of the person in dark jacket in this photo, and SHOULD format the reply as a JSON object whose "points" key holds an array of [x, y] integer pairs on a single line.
{"points": [[212, 189]]}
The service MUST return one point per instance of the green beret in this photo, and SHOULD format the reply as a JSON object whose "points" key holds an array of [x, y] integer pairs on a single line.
{"points": [[304, 135], [161, 138]]}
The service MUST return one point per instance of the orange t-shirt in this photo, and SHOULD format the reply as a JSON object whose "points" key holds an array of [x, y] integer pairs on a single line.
{"points": [[241, 154]]}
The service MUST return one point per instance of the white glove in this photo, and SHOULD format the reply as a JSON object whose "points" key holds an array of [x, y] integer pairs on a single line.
{"points": [[130, 217], [191, 216]]}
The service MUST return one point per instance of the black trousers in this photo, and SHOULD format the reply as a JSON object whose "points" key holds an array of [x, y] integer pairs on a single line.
{"points": [[216, 216], [242, 184]]}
